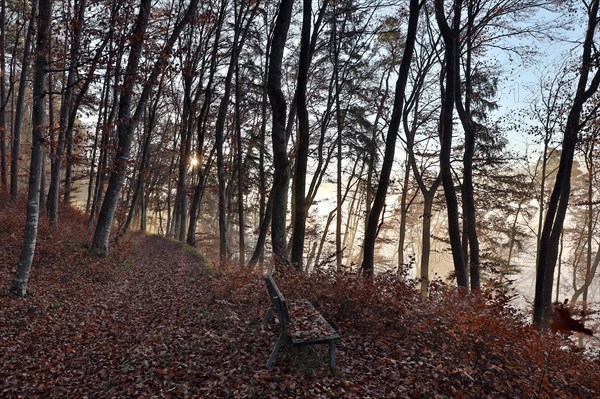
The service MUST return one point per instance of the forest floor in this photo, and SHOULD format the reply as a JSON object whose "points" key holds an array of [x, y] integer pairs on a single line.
{"points": [[155, 319]]}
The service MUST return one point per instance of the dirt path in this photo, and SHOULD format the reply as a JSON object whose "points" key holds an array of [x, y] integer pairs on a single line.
{"points": [[144, 328]]}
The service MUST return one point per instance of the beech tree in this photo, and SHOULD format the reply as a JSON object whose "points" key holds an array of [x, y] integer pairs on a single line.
{"points": [[3, 99], [303, 139], [38, 117], [390, 144], [128, 121], [587, 85], [20, 105], [450, 34], [279, 188]]}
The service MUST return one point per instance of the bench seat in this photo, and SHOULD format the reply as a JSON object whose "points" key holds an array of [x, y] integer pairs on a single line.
{"points": [[300, 324]]}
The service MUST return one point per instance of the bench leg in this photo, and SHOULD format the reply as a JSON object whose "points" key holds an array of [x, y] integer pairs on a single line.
{"points": [[332, 354], [266, 317], [278, 344]]}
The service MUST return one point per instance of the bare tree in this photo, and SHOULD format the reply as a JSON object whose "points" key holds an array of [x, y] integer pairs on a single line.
{"points": [[127, 121], [450, 35], [279, 189], [20, 105], [21, 278], [390, 144], [587, 86]]}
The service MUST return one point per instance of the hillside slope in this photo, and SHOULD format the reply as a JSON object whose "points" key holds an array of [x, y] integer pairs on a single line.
{"points": [[154, 320]]}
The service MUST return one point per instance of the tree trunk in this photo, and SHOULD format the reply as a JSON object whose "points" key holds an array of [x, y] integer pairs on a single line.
{"points": [[127, 122], [125, 132], [390, 142], [591, 262], [403, 214], [201, 130], [18, 120], [21, 278], [3, 98], [240, 173], [468, 200], [185, 148], [138, 194], [559, 199], [338, 144], [279, 138], [65, 108], [106, 128], [450, 36], [302, 141]]}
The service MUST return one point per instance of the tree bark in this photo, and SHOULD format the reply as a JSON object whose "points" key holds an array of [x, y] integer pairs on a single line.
{"points": [[450, 35], [302, 141], [138, 193], [464, 113], [390, 142], [279, 189], [21, 278], [65, 107], [127, 122], [20, 105], [240, 171], [559, 199], [3, 98], [201, 130]]}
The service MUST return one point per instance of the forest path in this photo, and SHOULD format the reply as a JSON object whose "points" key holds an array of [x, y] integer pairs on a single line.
{"points": [[152, 326]]}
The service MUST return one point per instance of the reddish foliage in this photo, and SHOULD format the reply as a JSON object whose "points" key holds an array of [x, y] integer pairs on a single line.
{"points": [[562, 321], [151, 321]]}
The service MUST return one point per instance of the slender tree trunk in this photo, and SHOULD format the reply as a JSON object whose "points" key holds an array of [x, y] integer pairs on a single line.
{"points": [[125, 130], [138, 193], [560, 252], [170, 212], [330, 217], [513, 236], [51, 128], [53, 195], [20, 105], [468, 200], [591, 262], [106, 129], [390, 142], [219, 141], [238, 40], [21, 278], [127, 122], [240, 173], [450, 36], [263, 229], [68, 99], [590, 226], [201, 130], [340, 127], [3, 99], [185, 149], [302, 141], [93, 157], [403, 215], [428, 198], [262, 184]]}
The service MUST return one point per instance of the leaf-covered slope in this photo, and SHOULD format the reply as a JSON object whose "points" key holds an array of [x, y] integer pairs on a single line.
{"points": [[150, 321]]}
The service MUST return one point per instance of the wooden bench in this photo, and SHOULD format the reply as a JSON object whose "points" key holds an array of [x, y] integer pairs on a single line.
{"points": [[307, 327]]}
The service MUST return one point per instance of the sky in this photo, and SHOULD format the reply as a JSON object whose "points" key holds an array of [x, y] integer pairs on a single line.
{"points": [[519, 85]]}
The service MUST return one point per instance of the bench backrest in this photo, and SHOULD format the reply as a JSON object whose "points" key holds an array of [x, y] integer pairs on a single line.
{"points": [[277, 301]]}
